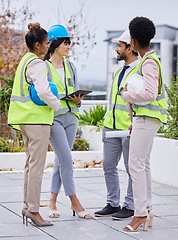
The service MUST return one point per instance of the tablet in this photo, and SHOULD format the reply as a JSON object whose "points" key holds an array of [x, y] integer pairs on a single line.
{"points": [[81, 92]]}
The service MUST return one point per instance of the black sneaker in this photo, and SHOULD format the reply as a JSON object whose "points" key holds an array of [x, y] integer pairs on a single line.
{"points": [[106, 211], [123, 213]]}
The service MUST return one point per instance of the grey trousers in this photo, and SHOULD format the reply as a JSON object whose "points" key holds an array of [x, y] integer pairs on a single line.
{"points": [[113, 148], [144, 130], [36, 138], [63, 133]]}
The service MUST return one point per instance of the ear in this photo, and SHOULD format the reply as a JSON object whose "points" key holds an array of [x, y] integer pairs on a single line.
{"points": [[132, 41], [37, 45], [129, 49]]}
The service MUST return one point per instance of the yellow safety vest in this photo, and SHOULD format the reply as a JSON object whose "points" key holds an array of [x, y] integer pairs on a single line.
{"points": [[118, 117], [22, 110], [157, 108], [70, 87]]}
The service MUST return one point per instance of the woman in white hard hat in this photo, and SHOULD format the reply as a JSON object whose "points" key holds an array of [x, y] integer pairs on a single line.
{"points": [[63, 131], [150, 110], [33, 120]]}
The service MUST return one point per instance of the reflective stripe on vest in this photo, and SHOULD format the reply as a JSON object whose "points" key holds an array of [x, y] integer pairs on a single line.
{"points": [[22, 97], [157, 108], [152, 108], [66, 106], [118, 117]]}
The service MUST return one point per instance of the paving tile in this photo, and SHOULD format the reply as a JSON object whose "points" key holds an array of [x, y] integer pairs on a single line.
{"points": [[85, 229], [165, 190], [13, 175], [166, 210], [11, 193], [91, 190], [166, 200], [171, 219], [32, 237], [18, 230]]}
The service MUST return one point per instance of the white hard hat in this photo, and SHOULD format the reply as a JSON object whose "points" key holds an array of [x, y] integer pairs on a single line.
{"points": [[125, 37], [135, 82]]}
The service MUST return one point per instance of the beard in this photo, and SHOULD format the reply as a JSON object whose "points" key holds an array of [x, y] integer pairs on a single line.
{"points": [[120, 58]]}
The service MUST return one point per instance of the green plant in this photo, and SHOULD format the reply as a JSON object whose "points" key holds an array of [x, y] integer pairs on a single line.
{"points": [[5, 94], [3, 145], [80, 144], [94, 117], [7, 145], [172, 123], [162, 129]]}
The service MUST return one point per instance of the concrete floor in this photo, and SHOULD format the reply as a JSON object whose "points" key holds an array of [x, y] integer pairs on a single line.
{"points": [[91, 191]]}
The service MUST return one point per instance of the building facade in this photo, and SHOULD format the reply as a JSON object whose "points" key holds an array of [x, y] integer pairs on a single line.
{"points": [[165, 44]]}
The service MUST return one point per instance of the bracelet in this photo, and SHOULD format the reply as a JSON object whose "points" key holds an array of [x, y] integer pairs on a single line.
{"points": [[79, 105]]}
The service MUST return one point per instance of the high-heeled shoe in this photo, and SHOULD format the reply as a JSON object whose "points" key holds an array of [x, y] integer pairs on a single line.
{"points": [[145, 226], [81, 214], [28, 214], [53, 213], [23, 214], [151, 215]]}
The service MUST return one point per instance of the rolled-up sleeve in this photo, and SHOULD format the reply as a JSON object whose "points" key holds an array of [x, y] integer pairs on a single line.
{"points": [[36, 73]]}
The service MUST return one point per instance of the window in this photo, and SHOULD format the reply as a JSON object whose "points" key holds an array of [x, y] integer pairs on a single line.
{"points": [[175, 61], [114, 61], [175, 51], [156, 47], [114, 45], [174, 67]]}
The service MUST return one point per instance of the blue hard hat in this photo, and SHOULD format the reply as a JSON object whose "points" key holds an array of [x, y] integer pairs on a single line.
{"points": [[34, 96], [57, 31]]}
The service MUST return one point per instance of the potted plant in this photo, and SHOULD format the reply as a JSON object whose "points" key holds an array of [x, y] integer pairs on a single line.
{"points": [[91, 123]]}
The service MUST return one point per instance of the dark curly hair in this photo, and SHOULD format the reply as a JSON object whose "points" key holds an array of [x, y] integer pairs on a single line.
{"points": [[143, 30]]}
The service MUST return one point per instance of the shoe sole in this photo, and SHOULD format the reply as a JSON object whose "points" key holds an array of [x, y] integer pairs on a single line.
{"points": [[115, 218], [98, 215]]}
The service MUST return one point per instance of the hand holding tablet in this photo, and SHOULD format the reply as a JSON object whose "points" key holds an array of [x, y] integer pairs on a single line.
{"points": [[81, 92]]}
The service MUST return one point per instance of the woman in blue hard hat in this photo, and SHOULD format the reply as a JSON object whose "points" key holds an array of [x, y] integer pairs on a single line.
{"points": [[33, 120], [63, 131]]}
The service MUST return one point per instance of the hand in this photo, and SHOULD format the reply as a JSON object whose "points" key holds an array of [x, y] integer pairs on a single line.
{"points": [[130, 129], [75, 99], [125, 89]]}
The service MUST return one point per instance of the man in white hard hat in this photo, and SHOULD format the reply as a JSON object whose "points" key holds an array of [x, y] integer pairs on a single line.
{"points": [[117, 120]]}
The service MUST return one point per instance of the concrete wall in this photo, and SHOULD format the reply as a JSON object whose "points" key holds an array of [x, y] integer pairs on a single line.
{"points": [[164, 159], [164, 156]]}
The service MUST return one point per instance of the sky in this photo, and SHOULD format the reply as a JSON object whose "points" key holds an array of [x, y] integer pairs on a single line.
{"points": [[102, 15]]}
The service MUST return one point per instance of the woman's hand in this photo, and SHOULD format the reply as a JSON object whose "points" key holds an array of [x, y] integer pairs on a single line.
{"points": [[130, 130], [75, 99]]}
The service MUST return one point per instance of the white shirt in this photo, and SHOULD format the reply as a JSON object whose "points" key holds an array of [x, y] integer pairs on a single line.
{"points": [[131, 67], [60, 72], [36, 73]]}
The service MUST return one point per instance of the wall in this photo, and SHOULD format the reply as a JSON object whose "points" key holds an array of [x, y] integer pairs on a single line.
{"points": [[164, 159]]}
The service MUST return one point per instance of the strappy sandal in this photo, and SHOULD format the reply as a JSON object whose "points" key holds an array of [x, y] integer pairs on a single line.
{"points": [[81, 214], [145, 226], [53, 213]]}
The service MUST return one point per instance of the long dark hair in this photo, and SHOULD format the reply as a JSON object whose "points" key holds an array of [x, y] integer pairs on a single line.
{"points": [[55, 44], [35, 34]]}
